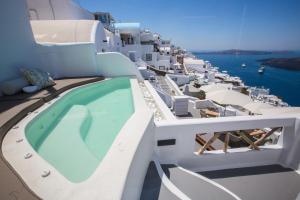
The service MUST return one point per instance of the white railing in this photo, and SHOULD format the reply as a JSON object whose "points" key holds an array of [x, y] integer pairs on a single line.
{"points": [[184, 152], [173, 86]]}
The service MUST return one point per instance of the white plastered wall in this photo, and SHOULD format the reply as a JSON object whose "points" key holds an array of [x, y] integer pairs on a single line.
{"points": [[114, 41], [17, 47], [59, 55], [69, 60], [71, 48]]}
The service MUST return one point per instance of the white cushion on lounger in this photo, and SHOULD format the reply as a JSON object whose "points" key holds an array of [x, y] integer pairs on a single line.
{"points": [[14, 86], [30, 89]]}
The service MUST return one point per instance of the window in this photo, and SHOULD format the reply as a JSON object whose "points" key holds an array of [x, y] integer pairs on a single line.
{"points": [[162, 67], [127, 39], [103, 18], [148, 57]]}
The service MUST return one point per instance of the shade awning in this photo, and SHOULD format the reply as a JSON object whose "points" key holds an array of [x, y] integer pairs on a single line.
{"points": [[229, 97], [193, 61], [256, 107], [216, 87]]}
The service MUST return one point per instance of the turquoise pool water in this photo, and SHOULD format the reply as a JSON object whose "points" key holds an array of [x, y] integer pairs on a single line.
{"points": [[75, 133]]}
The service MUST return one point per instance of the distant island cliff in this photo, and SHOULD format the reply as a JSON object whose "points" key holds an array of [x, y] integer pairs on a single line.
{"points": [[284, 63], [244, 52]]}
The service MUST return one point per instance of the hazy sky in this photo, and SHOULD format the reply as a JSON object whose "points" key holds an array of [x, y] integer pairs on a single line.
{"points": [[213, 24]]}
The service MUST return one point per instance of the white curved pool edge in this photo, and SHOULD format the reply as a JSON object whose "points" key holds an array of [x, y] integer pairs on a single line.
{"points": [[108, 180]]}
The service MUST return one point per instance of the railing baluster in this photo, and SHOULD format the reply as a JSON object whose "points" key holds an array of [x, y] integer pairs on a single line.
{"points": [[226, 141], [246, 139], [262, 138], [206, 145], [209, 142]]}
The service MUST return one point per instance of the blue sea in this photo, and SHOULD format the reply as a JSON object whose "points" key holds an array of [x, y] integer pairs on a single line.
{"points": [[282, 83]]}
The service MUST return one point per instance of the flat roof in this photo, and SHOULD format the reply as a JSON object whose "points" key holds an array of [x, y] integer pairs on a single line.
{"points": [[194, 61]]}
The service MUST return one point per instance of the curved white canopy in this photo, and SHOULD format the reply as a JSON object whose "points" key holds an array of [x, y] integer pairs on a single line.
{"points": [[67, 31], [256, 107], [229, 97]]}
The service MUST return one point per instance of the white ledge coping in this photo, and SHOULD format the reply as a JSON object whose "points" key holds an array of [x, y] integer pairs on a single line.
{"points": [[174, 86], [168, 115], [240, 122], [240, 150], [109, 178]]}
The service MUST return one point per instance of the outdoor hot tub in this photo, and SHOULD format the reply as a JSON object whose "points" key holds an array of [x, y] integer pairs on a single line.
{"points": [[75, 133], [92, 141]]}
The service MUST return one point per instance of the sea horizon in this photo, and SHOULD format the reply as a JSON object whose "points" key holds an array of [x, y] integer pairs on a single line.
{"points": [[242, 49], [281, 82]]}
